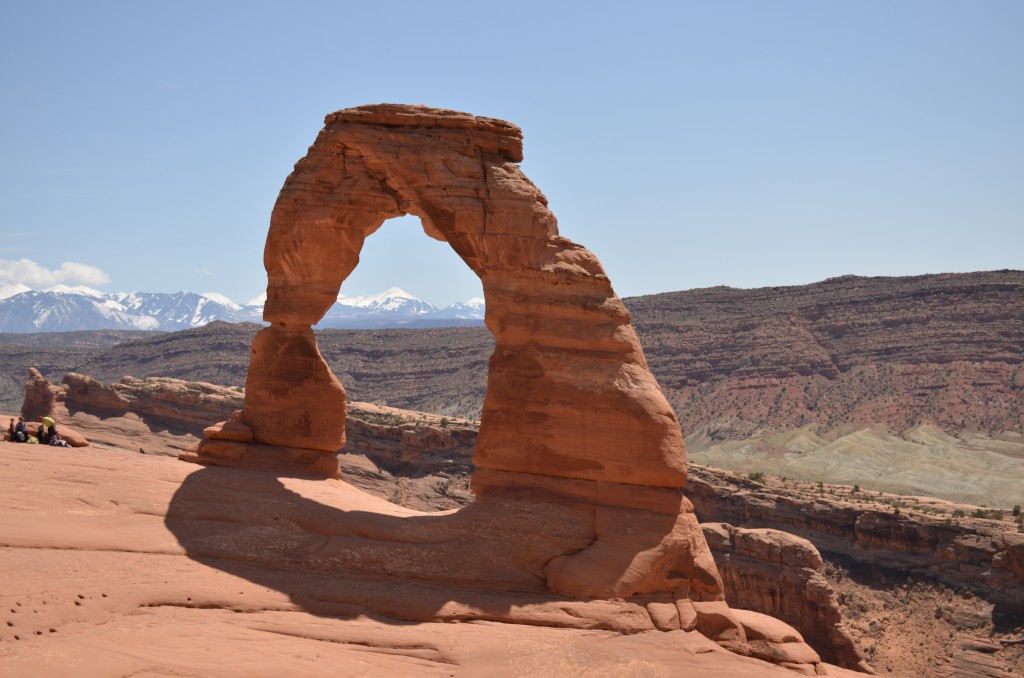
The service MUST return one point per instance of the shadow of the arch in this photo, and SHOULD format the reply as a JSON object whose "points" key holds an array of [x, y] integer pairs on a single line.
{"points": [[336, 551]]}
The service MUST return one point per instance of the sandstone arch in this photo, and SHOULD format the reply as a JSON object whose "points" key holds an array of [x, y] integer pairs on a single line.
{"points": [[569, 393], [571, 409]]}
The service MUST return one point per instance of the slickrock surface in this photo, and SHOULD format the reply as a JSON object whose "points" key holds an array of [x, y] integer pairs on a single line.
{"points": [[423, 461], [419, 461], [125, 564]]}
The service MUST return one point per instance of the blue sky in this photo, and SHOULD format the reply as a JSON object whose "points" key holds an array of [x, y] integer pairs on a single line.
{"points": [[688, 144]]}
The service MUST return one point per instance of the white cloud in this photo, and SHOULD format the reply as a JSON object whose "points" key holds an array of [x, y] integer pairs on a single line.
{"points": [[28, 272], [204, 272]]}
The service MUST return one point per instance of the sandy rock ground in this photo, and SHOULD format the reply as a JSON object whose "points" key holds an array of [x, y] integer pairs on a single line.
{"points": [[96, 584]]}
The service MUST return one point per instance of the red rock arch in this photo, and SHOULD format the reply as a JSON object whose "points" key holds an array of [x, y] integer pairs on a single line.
{"points": [[571, 410], [569, 393]]}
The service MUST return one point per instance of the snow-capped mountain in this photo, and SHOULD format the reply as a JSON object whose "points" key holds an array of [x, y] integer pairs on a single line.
{"points": [[182, 309], [472, 309], [63, 309], [11, 290], [394, 299], [393, 308]]}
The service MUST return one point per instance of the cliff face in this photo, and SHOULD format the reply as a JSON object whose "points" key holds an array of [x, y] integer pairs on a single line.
{"points": [[985, 556], [941, 349], [782, 575]]}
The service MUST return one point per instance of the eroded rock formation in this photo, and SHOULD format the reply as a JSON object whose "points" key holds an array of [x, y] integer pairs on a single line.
{"points": [[773, 571], [580, 458], [184, 405], [43, 399], [569, 393]]}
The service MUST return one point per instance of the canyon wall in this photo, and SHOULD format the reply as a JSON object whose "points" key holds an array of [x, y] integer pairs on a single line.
{"points": [[983, 556]]}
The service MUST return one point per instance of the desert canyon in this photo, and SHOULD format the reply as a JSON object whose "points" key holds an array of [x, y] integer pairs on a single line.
{"points": [[282, 529]]}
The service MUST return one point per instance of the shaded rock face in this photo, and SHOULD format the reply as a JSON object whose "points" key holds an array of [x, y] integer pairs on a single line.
{"points": [[574, 427]]}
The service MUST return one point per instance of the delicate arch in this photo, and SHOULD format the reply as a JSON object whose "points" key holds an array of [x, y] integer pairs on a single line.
{"points": [[569, 393], [571, 414]]}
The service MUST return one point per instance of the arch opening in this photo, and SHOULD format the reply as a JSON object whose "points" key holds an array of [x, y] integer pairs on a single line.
{"points": [[401, 254], [410, 434]]}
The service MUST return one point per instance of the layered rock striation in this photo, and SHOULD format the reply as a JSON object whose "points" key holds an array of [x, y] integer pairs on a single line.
{"points": [[184, 405], [780, 574], [983, 556], [945, 349]]}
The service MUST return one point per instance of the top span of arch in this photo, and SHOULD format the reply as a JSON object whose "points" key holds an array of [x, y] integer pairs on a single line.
{"points": [[456, 172], [492, 134]]}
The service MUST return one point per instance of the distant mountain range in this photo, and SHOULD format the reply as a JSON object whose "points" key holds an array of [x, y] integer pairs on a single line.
{"points": [[66, 309]]}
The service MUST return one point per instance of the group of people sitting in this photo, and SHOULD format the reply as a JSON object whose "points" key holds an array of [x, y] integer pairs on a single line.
{"points": [[46, 434]]}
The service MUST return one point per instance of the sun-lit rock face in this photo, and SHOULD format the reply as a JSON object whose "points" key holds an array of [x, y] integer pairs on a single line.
{"points": [[569, 393], [572, 417]]}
